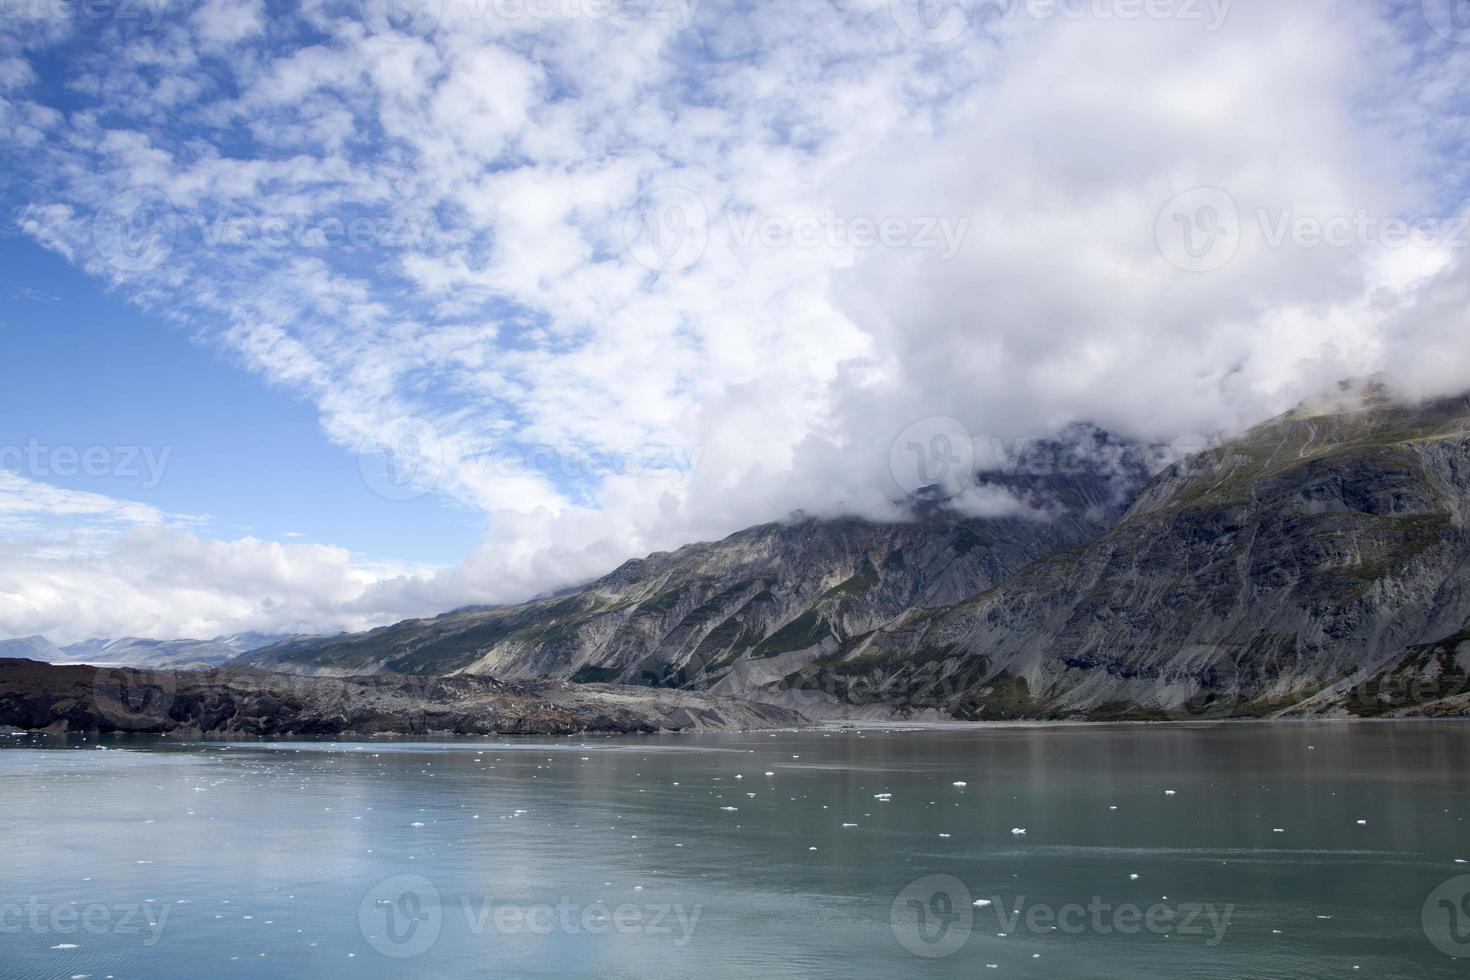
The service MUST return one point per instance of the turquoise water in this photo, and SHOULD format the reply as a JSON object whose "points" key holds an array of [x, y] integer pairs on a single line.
{"points": [[606, 857]]}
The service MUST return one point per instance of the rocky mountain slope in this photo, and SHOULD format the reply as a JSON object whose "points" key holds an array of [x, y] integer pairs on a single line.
{"points": [[1281, 571], [36, 696], [1305, 556], [697, 615]]}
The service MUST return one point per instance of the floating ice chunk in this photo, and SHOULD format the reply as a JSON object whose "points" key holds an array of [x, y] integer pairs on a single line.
{"points": [[416, 823], [960, 783], [1133, 877], [943, 835], [1170, 792], [65, 946], [882, 797], [981, 903], [1362, 823], [854, 825], [729, 809], [1018, 831]]}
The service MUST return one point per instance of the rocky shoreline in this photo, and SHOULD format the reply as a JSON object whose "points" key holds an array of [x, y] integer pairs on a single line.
{"points": [[242, 702]]}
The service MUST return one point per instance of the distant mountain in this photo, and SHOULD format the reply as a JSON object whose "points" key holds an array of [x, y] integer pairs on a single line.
{"points": [[174, 654], [1321, 551], [139, 652], [743, 606], [31, 648]]}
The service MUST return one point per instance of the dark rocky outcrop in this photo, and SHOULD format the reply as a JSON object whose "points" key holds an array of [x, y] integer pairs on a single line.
{"points": [[241, 702]]}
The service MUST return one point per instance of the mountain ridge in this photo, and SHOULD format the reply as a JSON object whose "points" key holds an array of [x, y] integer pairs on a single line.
{"points": [[688, 616], [1313, 549]]}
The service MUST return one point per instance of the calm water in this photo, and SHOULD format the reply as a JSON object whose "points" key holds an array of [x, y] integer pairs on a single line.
{"points": [[617, 857]]}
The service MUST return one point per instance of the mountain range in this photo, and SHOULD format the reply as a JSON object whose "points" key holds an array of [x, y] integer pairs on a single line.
{"points": [[1282, 570], [1317, 564], [138, 651]]}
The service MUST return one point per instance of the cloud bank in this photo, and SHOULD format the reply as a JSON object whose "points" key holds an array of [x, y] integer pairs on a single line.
{"points": [[622, 276]]}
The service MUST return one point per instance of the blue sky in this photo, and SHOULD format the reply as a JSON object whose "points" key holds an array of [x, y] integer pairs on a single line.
{"points": [[98, 372], [458, 301]]}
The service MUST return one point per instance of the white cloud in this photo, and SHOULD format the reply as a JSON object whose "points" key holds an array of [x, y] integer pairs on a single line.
{"points": [[23, 502], [78, 565]]}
